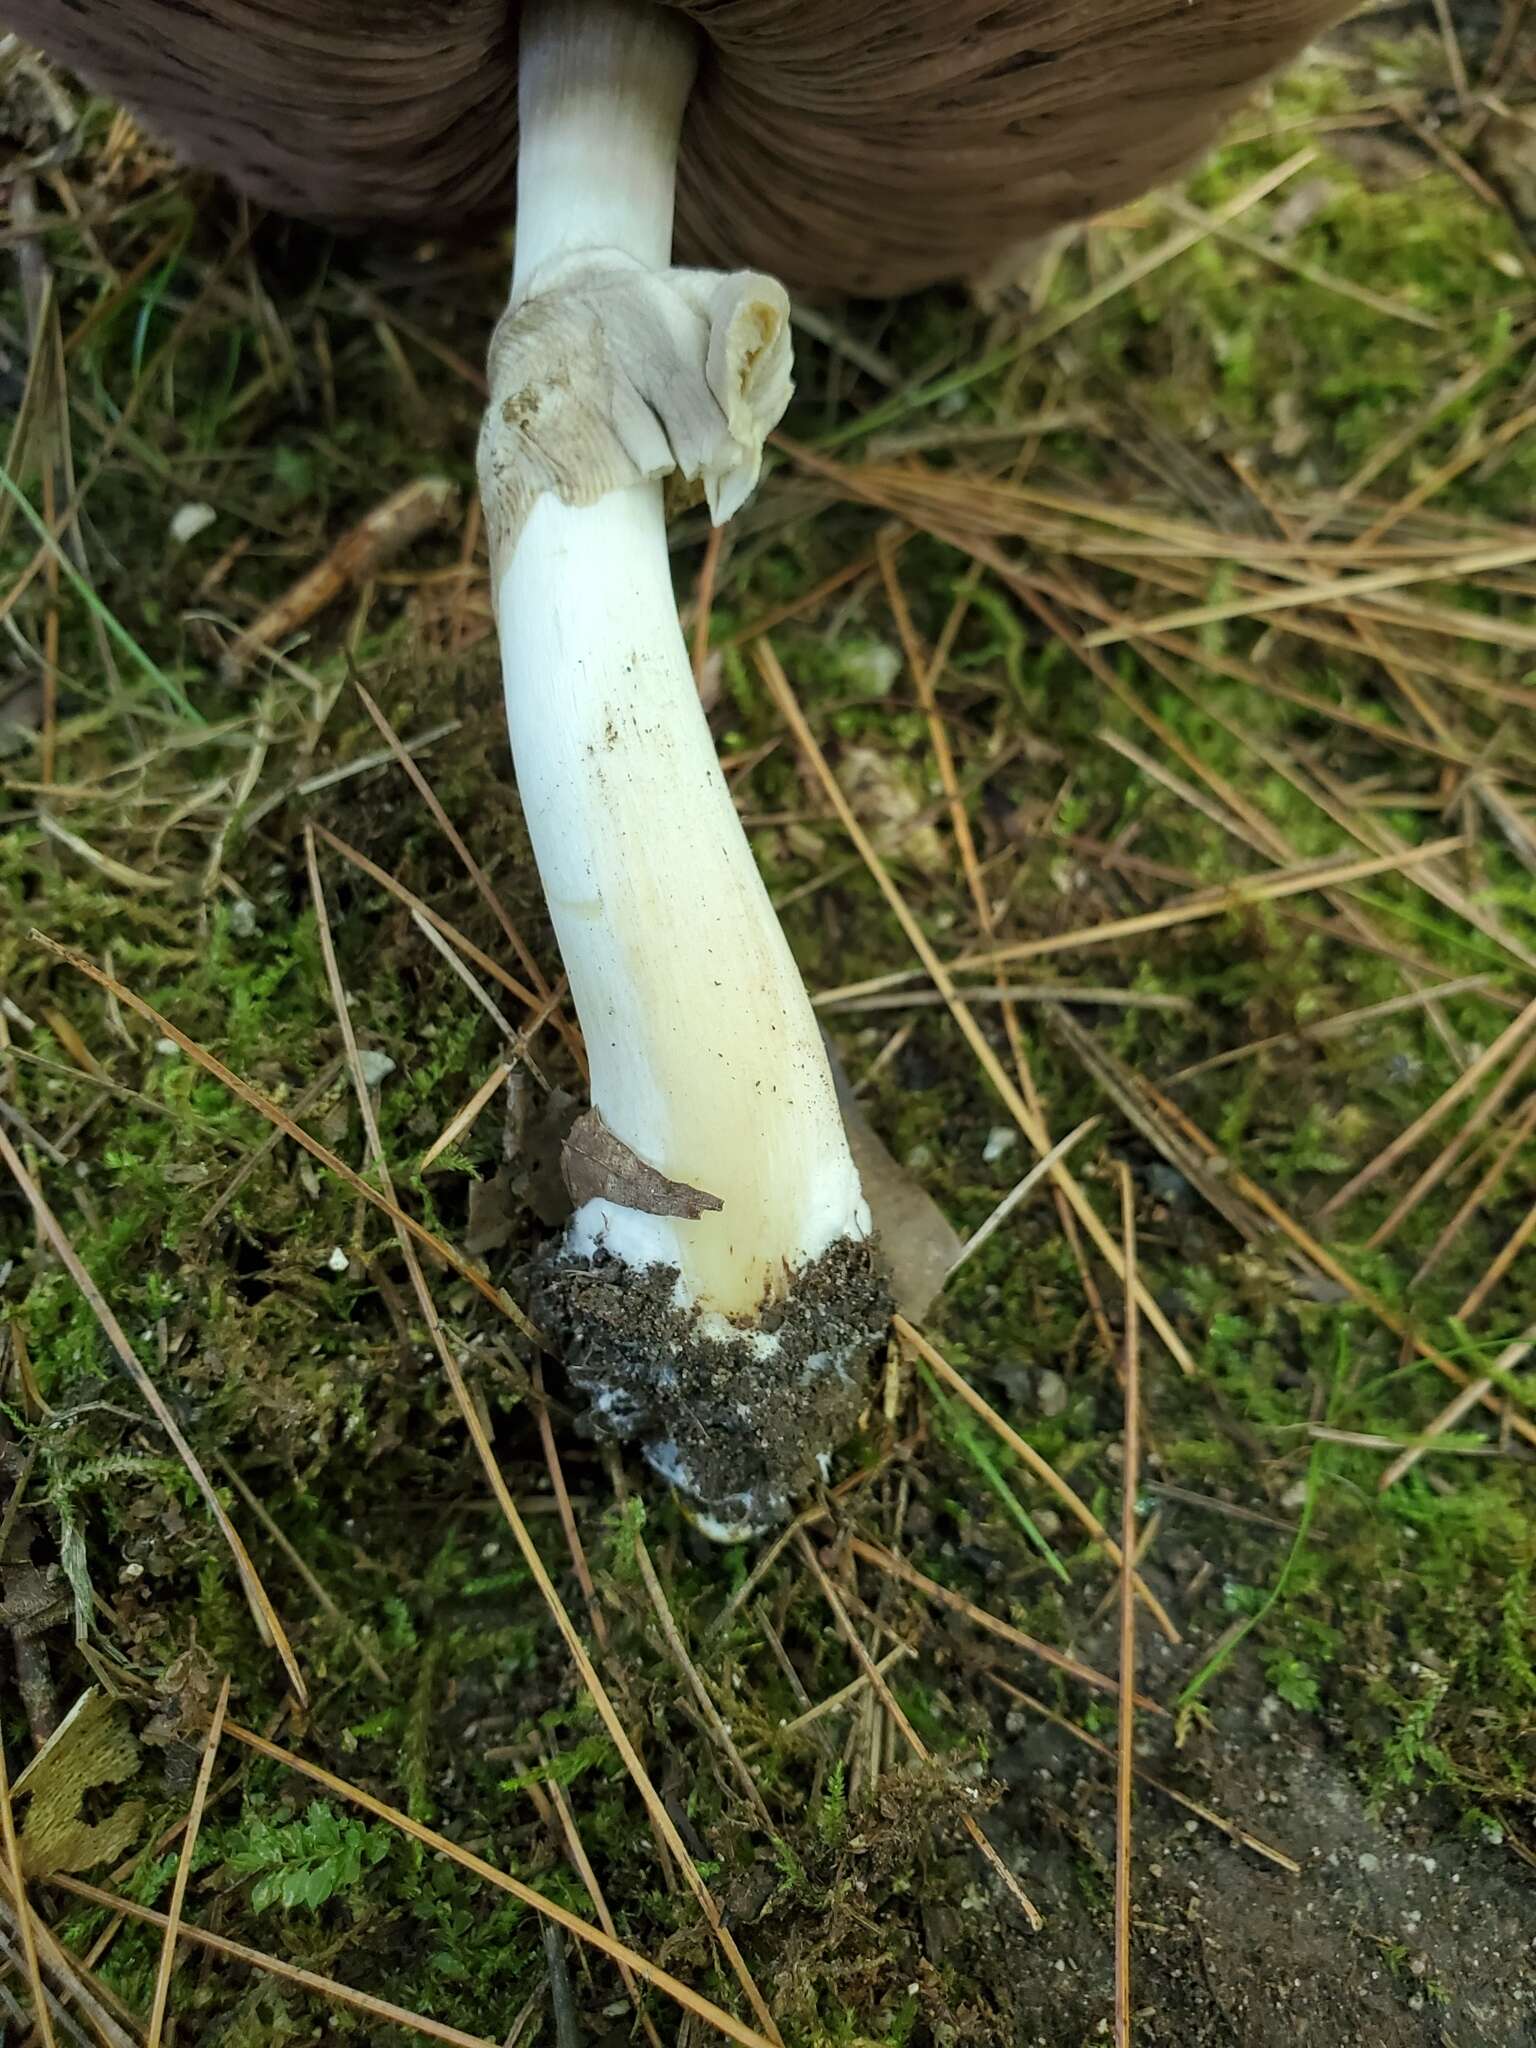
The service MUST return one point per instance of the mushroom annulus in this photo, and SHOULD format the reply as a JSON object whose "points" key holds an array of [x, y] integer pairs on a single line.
{"points": [[716, 1291]]}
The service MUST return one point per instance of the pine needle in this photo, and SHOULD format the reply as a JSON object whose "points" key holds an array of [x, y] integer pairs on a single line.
{"points": [[265, 1614], [184, 1867]]}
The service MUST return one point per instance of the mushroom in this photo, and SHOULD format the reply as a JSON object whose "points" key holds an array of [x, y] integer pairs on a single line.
{"points": [[716, 1289]]}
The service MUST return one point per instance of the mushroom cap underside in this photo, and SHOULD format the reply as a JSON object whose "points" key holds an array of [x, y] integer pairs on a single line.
{"points": [[866, 146]]}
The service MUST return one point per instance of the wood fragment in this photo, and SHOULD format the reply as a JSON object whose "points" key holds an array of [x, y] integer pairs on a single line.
{"points": [[402, 517]]}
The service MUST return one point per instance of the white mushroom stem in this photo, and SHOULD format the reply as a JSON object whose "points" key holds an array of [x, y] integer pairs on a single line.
{"points": [[705, 1054]]}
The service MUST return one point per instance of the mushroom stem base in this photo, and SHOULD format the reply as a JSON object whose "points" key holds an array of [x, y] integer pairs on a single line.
{"points": [[741, 1420]]}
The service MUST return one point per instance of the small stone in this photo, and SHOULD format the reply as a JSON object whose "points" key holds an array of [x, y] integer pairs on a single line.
{"points": [[338, 1261], [1000, 1139], [376, 1067], [1050, 1392], [167, 1048], [189, 520], [1368, 1863], [242, 918]]}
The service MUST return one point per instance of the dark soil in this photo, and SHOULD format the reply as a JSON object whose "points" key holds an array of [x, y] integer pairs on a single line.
{"points": [[741, 1435], [1397, 1934]]}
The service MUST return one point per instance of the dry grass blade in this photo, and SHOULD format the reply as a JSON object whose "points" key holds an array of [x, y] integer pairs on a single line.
{"points": [[719, 1732], [1506, 1257], [1018, 1193], [266, 1617], [72, 1977], [1523, 1126], [843, 1697], [583, 1930], [401, 894], [1125, 1723], [1026, 1453], [1464, 1085], [1511, 1356], [41, 2010], [1447, 1157], [577, 1850], [1333, 1027], [279, 1537], [778, 688], [462, 1119], [914, 1741], [1227, 1827], [1319, 875], [898, 1568], [566, 1512], [472, 868], [661, 1819], [1399, 1325], [274, 1966], [264, 1105], [1119, 1082], [184, 1867], [1340, 593]]}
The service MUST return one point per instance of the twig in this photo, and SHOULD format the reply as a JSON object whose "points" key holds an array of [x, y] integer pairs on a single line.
{"points": [[184, 1867], [1125, 1724], [265, 1614], [561, 2000], [389, 527]]}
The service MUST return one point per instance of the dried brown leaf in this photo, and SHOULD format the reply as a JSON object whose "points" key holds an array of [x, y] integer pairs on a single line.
{"points": [[598, 1166]]}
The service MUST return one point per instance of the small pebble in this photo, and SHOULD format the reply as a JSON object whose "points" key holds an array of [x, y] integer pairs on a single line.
{"points": [[1000, 1139], [338, 1261], [1050, 1392], [189, 520]]}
